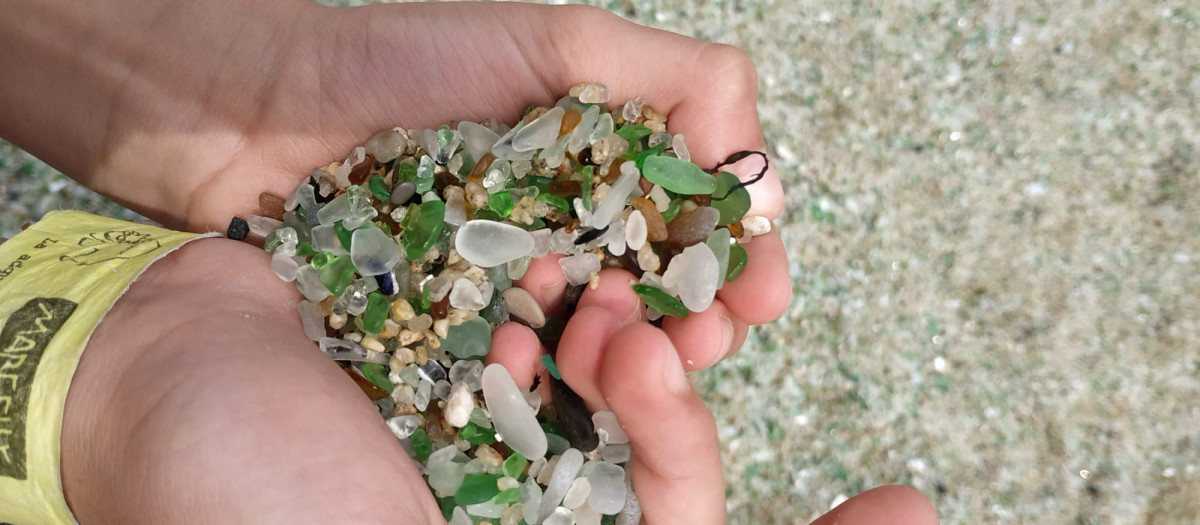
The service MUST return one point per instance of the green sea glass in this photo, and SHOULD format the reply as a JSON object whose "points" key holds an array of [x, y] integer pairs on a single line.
{"points": [[734, 204], [470, 339], [376, 312], [660, 300], [737, 262], [423, 231], [679, 176], [337, 274]]}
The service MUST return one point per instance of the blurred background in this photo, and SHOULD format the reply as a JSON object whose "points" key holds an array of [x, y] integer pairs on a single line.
{"points": [[994, 227]]}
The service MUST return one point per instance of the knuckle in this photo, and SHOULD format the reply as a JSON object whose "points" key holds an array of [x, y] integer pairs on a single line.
{"points": [[732, 65]]}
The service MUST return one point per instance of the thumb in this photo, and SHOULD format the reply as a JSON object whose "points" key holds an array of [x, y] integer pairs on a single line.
{"points": [[676, 463]]}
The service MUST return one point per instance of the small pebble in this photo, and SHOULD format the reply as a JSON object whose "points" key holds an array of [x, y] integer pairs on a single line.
{"points": [[523, 307], [238, 229]]}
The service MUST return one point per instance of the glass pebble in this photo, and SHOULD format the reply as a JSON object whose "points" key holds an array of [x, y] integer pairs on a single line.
{"points": [[325, 239], [540, 133], [731, 205], [477, 138], [490, 243], [285, 267], [308, 280], [660, 300], [560, 516], [468, 371], [337, 274], [578, 269], [312, 319], [403, 426], [560, 480], [607, 487], [577, 493], [679, 176], [262, 226], [477, 488], [695, 274], [510, 414], [718, 242], [470, 339], [424, 231], [373, 251], [737, 262]]}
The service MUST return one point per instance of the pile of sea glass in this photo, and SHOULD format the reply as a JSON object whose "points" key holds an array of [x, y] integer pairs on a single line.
{"points": [[407, 252]]}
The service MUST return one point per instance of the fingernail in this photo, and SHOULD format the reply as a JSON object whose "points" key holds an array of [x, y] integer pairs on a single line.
{"points": [[673, 375], [726, 338]]}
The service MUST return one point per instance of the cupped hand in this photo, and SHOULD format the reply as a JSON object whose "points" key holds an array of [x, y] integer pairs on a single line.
{"points": [[198, 400]]}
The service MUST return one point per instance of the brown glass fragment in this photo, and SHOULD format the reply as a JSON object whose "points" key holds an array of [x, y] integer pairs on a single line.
{"points": [[564, 188], [702, 200], [692, 227], [569, 121], [439, 309], [645, 185], [433, 423], [736, 230], [481, 167], [368, 388], [656, 229], [359, 173], [443, 180], [270, 205], [614, 173], [571, 225], [391, 223]]}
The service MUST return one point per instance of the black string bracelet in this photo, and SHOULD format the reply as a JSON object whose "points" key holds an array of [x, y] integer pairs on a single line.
{"points": [[736, 158]]}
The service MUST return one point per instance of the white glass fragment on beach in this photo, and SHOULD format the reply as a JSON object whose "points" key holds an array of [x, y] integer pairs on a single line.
{"points": [[466, 295], [459, 405], [313, 320], [578, 269], [373, 252], [490, 243], [694, 274], [636, 230], [607, 482], [540, 133], [560, 480], [510, 413], [478, 139]]}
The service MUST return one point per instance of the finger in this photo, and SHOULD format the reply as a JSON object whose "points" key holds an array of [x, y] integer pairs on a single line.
{"points": [[891, 504], [705, 338], [615, 294], [545, 281], [709, 91], [676, 464], [764, 290], [581, 352], [516, 347]]}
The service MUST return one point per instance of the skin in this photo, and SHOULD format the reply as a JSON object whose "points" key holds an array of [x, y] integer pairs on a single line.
{"points": [[198, 399]]}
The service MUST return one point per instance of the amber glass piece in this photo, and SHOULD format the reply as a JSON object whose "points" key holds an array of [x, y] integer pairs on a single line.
{"points": [[569, 121], [368, 388], [656, 229], [270, 205], [481, 167]]}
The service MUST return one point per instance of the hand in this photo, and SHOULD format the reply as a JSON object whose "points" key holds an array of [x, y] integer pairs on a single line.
{"points": [[198, 400], [202, 108], [191, 110]]}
